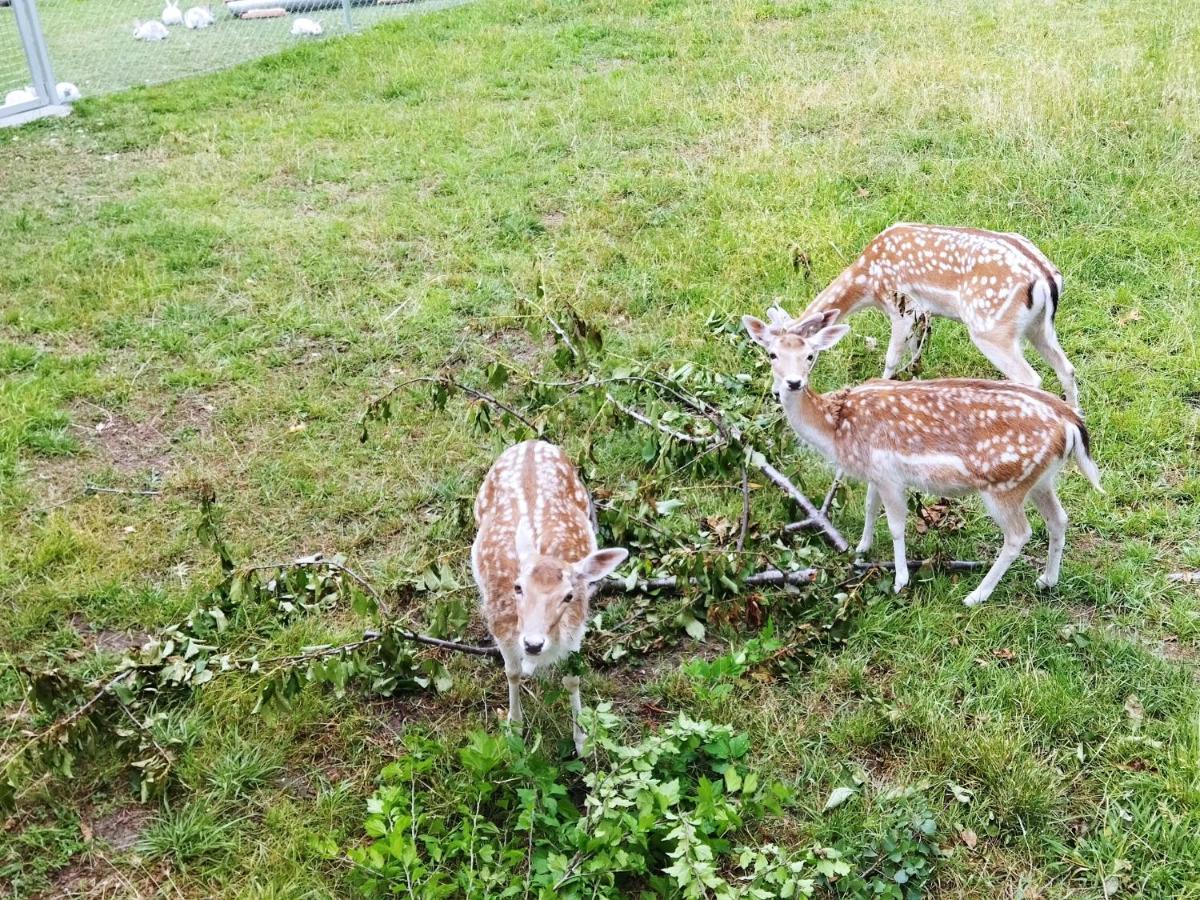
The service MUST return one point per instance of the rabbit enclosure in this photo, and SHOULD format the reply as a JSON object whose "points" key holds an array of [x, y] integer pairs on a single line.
{"points": [[264, 330], [91, 43]]}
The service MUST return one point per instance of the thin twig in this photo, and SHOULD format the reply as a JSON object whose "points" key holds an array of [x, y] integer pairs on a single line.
{"points": [[646, 420], [97, 489], [949, 565], [733, 434], [451, 382], [833, 486], [1185, 577], [765, 578], [745, 526], [68, 720], [167, 758]]}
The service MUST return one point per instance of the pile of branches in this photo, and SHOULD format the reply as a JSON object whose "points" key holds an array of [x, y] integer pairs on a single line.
{"points": [[689, 419]]}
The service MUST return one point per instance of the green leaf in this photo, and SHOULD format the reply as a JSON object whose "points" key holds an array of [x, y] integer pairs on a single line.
{"points": [[694, 627], [838, 796]]}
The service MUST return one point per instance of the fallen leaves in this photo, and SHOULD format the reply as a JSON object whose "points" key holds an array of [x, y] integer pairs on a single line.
{"points": [[838, 796]]}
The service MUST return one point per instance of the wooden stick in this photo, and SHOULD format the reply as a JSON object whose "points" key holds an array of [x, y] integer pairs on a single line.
{"points": [[814, 515], [949, 565], [1185, 577], [765, 578]]}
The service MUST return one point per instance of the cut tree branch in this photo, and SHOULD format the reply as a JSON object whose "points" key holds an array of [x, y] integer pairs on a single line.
{"points": [[765, 578], [949, 565], [730, 434], [1184, 577]]}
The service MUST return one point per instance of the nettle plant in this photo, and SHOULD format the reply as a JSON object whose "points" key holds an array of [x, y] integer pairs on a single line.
{"points": [[673, 814]]}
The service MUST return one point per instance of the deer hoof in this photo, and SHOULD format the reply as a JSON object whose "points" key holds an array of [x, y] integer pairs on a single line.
{"points": [[1044, 582], [974, 598]]}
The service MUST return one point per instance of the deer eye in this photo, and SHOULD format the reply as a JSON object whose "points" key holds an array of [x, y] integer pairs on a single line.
{"points": [[568, 597], [810, 357], [773, 355], [516, 588]]}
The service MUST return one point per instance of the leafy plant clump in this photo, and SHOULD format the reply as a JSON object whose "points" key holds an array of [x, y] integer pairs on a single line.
{"points": [[674, 814]]}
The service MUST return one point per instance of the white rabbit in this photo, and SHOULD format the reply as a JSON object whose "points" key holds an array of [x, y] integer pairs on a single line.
{"points": [[306, 26], [198, 17], [22, 95], [171, 14], [150, 31], [67, 92]]}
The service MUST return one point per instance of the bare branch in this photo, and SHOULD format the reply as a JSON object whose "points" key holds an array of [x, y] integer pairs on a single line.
{"points": [[745, 525], [765, 578], [450, 381], [1184, 577], [948, 565], [733, 434], [665, 429], [90, 488], [814, 515]]}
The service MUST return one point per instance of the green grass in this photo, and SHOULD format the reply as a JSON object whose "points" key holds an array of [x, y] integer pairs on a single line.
{"points": [[210, 263]]}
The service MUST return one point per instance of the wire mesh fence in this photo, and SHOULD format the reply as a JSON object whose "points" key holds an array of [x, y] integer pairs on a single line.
{"points": [[14, 70], [100, 46]]}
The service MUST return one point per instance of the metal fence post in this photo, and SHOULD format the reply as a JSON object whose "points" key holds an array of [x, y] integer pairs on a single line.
{"points": [[30, 30], [346, 15]]}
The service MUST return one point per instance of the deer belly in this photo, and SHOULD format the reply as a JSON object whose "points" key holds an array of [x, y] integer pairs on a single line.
{"points": [[935, 473], [925, 298]]}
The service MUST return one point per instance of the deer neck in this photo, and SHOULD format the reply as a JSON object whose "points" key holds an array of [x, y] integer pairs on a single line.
{"points": [[812, 418], [846, 293]]}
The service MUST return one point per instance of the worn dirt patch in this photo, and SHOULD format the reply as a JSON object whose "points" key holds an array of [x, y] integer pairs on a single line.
{"points": [[517, 345], [122, 828], [94, 876], [552, 221], [103, 640], [141, 445]]}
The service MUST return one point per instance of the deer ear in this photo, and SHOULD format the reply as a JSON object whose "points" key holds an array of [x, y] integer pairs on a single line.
{"points": [[758, 330], [601, 563], [827, 337], [524, 542]]}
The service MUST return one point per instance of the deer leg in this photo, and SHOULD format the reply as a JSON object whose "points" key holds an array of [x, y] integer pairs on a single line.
{"points": [[1045, 341], [902, 326], [1009, 512], [897, 511], [571, 685], [1008, 358], [872, 513], [1046, 501], [512, 671]]}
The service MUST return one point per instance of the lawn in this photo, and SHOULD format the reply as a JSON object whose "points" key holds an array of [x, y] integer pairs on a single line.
{"points": [[205, 281]]}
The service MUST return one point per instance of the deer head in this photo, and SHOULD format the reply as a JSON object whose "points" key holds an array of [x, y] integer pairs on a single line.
{"points": [[793, 345]]}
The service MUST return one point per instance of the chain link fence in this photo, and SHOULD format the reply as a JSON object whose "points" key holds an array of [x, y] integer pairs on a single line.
{"points": [[100, 46]]}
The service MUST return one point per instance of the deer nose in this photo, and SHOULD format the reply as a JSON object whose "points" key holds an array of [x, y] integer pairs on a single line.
{"points": [[534, 647], [795, 385]]}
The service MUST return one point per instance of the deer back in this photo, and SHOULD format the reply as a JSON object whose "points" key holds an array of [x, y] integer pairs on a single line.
{"points": [[951, 434], [532, 485]]}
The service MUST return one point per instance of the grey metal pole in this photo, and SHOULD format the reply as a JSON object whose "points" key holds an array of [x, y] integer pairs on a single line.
{"points": [[30, 29], [346, 15]]}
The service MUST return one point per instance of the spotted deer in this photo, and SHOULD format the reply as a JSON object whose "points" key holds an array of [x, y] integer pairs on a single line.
{"points": [[998, 284], [535, 561], [1004, 441]]}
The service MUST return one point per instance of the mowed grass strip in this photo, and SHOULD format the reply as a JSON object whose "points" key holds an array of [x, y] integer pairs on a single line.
{"points": [[205, 280]]}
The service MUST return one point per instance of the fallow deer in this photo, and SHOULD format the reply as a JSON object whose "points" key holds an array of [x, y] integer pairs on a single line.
{"points": [[998, 284], [1004, 441], [535, 561]]}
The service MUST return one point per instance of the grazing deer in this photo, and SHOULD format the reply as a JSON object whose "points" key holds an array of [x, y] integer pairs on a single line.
{"points": [[997, 284], [953, 435], [535, 560]]}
